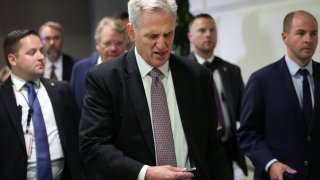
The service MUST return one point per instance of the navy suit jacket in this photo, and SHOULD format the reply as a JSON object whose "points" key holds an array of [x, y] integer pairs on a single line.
{"points": [[116, 135], [13, 155], [273, 126], [78, 76], [233, 88]]}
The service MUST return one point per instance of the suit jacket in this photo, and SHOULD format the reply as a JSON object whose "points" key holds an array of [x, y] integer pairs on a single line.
{"points": [[115, 128], [273, 126], [233, 88], [13, 155], [67, 64], [78, 76]]}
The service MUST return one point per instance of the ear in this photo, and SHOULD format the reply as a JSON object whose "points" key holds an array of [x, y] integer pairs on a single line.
{"points": [[12, 60], [284, 37], [189, 36], [131, 32]]}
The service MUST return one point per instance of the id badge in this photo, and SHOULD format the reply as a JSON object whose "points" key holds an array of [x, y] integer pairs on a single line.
{"points": [[28, 138]]}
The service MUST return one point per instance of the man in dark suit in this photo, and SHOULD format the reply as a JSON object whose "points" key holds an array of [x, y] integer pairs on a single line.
{"points": [[280, 127], [58, 64], [126, 107], [110, 37], [227, 77], [48, 118]]}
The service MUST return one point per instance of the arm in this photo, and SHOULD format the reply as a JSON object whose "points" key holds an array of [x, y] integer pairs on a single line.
{"points": [[252, 119], [98, 131]]}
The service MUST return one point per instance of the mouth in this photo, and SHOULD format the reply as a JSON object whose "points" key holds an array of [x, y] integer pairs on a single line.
{"points": [[161, 55]]}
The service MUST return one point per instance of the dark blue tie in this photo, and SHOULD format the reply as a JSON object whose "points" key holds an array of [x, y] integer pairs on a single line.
{"points": [[44, 171], [307, 108]]}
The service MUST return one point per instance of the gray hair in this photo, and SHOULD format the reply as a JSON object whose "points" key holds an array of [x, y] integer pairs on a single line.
{"points": [[115, 24], [137, 7]]}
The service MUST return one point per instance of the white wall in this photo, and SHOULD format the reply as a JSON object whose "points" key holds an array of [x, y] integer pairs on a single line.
{"points": [[249, 31]]}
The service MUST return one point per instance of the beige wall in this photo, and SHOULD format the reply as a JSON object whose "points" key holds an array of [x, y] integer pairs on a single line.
{"points": [[249, 32]]}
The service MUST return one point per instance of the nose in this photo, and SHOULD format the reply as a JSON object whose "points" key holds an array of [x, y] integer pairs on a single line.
{"points": [[161, 43]]}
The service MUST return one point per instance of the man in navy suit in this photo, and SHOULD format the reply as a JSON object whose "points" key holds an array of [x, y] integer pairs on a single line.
{"points": [[118, 126], [227, 77], [58, 64], [24, 56], [110, 37], [280, 127]]}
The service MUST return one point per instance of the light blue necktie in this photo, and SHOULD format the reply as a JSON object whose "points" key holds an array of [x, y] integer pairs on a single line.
{"points": [[44, 171]]}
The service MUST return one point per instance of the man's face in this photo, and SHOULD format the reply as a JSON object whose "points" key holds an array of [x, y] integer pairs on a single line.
{"points": [[302, 38], [111, 43], [52, 42], [154, 37], [203, 35], [28, 62]]}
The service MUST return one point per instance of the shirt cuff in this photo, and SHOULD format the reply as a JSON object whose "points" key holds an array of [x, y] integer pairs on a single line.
{"points": [[142, 172], [269, 164]]}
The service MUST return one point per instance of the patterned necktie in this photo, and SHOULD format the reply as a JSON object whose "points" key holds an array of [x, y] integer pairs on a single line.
{"points": [[44, 171], [53, 74], [162, 131], [307, 108]]}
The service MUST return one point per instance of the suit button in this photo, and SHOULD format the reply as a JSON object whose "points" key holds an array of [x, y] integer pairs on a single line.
{"points": [[306, 163], [309, 138]]}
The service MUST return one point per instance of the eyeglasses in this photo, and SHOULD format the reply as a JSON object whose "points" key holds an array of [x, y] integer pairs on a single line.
{"points": [[48, 38], [111, 43]]}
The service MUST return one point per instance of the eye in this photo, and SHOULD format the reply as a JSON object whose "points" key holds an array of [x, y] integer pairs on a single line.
{"points": [[152, 36], [202, 30]]}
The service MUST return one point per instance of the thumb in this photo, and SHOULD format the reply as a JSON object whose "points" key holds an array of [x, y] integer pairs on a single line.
{"points": [[290, 170]]}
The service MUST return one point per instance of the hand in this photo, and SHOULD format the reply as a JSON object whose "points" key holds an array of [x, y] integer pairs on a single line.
{"points": [[167, 172], [277, 169]]}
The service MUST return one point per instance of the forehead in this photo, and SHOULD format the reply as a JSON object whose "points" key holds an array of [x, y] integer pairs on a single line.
{"points": [[29, 42], [201, 21], [156, 21], [108, 33], [48, 30], [304, 21]]}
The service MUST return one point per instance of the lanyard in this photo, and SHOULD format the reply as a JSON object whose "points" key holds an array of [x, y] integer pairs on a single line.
{"points": [[30, 111]]}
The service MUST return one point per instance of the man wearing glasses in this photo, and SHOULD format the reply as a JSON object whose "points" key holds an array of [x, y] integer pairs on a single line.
{"points": [[58, 66], [110, 37]]}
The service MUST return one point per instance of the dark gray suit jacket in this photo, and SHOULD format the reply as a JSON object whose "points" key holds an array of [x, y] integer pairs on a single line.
{"points": [[116, 135], [13, 155]]}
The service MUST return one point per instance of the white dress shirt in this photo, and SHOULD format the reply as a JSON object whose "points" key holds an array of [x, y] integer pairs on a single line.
{"points": [[180, 143], [56, 153], [58, 70], [224, 107]]}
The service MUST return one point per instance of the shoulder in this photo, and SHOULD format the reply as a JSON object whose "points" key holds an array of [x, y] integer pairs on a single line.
{"points": [[185, 64], [87, 62], [67, 57]]}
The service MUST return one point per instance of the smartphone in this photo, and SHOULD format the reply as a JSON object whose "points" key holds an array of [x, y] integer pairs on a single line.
{"points": [[287, 176], [192, 170]]}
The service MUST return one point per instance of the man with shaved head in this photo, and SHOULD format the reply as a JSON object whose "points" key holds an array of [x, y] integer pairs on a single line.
{"points": [[280, 127]]}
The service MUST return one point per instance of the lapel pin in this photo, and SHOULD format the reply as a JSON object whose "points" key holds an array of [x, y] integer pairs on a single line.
{"points": [[52, 84], [225, 69]]}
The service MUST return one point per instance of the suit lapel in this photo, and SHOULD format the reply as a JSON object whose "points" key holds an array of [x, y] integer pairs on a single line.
{"points": [[56, 105], [9, 101], [285, 74], [182, 90], [138, 98]]}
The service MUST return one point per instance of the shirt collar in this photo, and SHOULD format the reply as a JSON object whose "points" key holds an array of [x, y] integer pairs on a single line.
{"points": [[57, 64], [202, 60], [145, 68], [19, 82], [294, 67]]}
